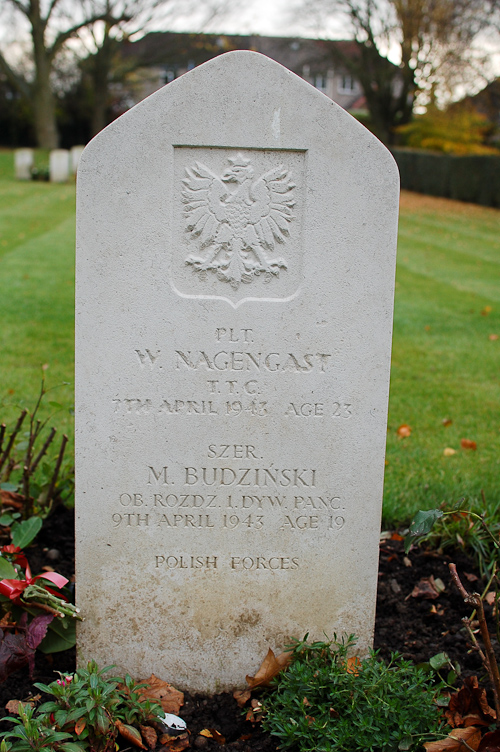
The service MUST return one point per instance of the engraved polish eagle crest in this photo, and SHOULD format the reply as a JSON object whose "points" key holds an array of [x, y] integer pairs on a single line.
{"points": [[237, 220]]}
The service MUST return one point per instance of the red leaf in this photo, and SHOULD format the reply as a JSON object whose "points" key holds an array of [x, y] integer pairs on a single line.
{"points": [[468, 444], [80, 726], [490, 742], [15, 653], [37, 629]]}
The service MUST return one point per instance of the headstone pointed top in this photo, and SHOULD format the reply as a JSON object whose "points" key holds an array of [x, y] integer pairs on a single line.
{"points": [[235, 273]]}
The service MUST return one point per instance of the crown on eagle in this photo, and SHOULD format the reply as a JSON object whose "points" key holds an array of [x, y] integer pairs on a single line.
{"points": [[239, 160]]}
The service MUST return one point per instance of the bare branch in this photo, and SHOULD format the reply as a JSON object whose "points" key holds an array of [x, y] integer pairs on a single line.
{"points": [[17, 81]]}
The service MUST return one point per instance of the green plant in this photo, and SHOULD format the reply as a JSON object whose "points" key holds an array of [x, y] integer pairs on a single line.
{"points": [[468, 524], [31, 487], [89, 709], [328, 702], [32, 736]]}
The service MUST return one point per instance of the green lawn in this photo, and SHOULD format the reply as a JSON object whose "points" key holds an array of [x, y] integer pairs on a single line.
{"points": [[37, 241], [445, 366]]}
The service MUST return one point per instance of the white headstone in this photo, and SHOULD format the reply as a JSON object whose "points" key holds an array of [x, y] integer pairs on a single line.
{"points": [[23, 162], [76, 153], [236, 253], [59, 165]]}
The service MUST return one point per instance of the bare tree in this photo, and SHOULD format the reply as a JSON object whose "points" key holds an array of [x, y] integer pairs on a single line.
{"points": [[434, 39], [124, 19], [51, 25]]}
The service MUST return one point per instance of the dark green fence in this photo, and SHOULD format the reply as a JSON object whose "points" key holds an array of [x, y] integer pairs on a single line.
{"points": [[474, 178]]}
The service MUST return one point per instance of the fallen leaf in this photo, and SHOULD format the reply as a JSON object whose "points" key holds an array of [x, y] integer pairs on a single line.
{"points": [[486, 310], [271, 667], [428, 588], [305, 701], [13, 706], [407, 562], [5, 621], [244, 738], [404, 431], [490, 742], [354, 665], [170, 698], [493, 337], [11, 499], [490, 597], [454, 741], [397, 537], [310, 720], [471, 577], [213, 734], [468, 444], [447, 421], [242, 696], [469, 706], [395, 586], [449, 452], [175, 743], [130, 734], [149, 735], [334, 713], [80, 726]]}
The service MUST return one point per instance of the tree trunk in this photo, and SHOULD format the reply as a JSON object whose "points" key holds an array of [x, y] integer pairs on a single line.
{"points": [[45, 114], [44, 105], [100, 74]]}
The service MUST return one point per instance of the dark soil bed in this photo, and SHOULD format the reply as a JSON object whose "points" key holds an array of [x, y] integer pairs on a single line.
{"points": [[416, 627]]}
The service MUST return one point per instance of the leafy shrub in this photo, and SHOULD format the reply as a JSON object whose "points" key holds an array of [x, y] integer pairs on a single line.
{"points": [[327, 702], [86, 714], [458, 130]]}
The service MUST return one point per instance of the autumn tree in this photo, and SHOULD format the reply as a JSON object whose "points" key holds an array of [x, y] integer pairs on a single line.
{"points": [[434, 39]]}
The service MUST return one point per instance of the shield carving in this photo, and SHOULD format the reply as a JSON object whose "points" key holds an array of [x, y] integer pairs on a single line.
{"points": [[237, 223]]}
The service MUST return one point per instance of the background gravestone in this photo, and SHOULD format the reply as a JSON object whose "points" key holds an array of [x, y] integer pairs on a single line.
{"points": [[59, 165], [23, 162], [75, 155], [235, 263]]}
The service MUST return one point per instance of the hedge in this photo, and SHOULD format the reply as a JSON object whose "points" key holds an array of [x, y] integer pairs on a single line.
{"points": [[472, 178]]}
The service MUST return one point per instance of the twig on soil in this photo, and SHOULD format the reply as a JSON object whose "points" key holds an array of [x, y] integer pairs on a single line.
{"points": [[488, 657]]}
